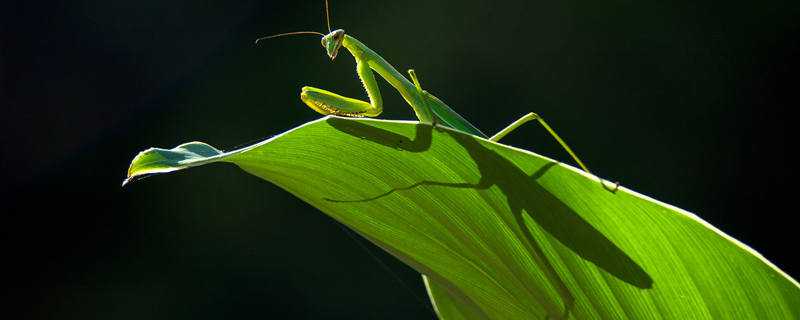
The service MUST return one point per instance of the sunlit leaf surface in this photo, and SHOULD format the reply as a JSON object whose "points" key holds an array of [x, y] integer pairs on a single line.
{"points": [[503, 233]]}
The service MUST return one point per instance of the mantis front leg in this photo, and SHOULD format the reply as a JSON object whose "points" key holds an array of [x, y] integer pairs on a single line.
{"points": [[327, 102], [367, 61]]}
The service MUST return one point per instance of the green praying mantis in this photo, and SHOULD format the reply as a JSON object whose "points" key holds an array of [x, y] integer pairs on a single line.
{"points": [[428, 108]]}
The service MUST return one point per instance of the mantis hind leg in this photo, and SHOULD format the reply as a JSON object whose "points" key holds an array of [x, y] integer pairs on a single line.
{"points": [[530, 117], [326, 102]]}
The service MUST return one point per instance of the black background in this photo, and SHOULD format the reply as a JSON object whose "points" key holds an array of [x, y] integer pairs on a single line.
{"points": [[684, 101]]}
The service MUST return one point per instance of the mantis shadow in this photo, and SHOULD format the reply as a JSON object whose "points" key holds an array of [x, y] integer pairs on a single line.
{"points": [[420, 143], [523, 193]]}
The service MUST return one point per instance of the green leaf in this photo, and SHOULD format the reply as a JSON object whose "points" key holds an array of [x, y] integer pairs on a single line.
{"points": [[502, 233]]}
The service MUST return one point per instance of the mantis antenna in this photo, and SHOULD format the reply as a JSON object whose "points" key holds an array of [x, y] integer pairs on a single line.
{"points": [[327, 21], [288, 34], [327, 16]]}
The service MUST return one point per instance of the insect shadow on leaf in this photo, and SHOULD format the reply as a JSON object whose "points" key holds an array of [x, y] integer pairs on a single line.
{"points": [[525, 197]]}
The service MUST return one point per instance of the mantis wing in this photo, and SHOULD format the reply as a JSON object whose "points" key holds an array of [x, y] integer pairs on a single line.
{"points": [[451, 118]]}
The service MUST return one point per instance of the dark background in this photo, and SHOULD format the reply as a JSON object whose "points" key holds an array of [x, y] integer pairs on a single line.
{"points": [[684, 101]]}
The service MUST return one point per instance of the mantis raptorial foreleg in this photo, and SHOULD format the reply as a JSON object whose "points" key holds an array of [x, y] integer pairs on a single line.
{"points": [[327, 102]]}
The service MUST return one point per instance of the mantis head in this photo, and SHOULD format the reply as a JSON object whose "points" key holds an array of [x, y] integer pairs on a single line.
{"points": [[332, 42]]}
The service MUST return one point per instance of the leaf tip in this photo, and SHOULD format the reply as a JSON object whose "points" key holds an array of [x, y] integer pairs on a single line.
{"points": [[157, 160]]}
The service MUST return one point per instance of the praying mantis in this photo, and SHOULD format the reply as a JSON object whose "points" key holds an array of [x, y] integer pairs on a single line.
{"points": [[428, 108]]}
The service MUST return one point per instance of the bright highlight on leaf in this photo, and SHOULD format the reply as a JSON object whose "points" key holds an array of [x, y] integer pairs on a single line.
{"points": [[157, 160], [502, 233]]}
